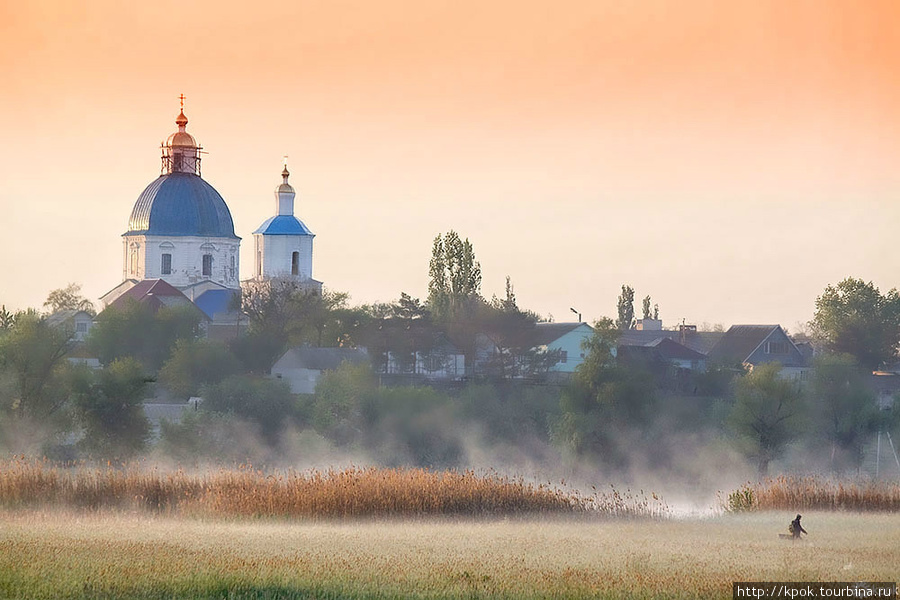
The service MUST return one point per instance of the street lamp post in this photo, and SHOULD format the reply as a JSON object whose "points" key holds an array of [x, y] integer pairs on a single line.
{"points": [[577, 313]]}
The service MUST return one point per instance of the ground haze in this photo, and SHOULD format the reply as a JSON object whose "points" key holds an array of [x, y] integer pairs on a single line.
{"points": [[65, 555]]}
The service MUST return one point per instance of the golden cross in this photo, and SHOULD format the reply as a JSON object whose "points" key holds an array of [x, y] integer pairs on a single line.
{"points": [[181, 97], [285, 161]]}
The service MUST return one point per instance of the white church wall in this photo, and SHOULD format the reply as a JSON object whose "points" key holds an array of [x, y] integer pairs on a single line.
{"points": [[187, 259], [275, 252]]}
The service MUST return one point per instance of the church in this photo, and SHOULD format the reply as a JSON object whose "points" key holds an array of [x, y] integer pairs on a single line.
{"points": [[181, 232]]}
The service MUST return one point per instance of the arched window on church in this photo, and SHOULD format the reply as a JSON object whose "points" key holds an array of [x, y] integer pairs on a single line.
{"points": [[207, 265], [134, 261], [232, 267], [259, 263], [165, 267], [295, 263]]}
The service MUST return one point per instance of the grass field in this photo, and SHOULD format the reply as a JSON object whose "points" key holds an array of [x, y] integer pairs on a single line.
{"points": [[46, 554]]}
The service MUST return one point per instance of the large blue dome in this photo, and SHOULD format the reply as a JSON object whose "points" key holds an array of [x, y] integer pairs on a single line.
{"points": [[181, 204]]}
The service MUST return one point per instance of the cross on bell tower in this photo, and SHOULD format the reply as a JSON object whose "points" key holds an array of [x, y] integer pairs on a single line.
{"points": [[181, 152]]}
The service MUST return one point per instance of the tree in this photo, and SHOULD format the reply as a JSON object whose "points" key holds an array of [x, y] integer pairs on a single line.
{"points": [[767, 415], [7, 319], [69, 298], [195, 364], [625, 308], [455, 276], [135, 330], [604, 401], [33, 353], [853, 317], [267, 403], [510, 330], [409, 308], [109, 406], [284, 313], [844, 410]]}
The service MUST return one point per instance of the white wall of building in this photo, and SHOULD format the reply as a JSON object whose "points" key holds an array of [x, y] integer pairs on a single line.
{"points": [[274, 254], [187, 259]]}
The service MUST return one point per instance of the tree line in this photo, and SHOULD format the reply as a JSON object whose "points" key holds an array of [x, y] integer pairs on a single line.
{"points": [[606, 415]]}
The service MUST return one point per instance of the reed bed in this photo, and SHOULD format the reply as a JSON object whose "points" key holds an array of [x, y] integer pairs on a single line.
{"points": [[350, 493], [814, 493]]}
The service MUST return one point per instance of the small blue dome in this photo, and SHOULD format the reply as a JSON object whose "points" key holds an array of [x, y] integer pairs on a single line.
{"points": [[181, 204], [283, 225]]}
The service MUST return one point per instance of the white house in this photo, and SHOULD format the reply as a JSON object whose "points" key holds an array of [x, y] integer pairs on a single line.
{"points": [[565, 338], [302, 367]]}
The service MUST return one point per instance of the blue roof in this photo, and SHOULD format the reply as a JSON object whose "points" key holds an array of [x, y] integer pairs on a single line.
{"points": [[181, 204], [213, 302], [284, 225]]}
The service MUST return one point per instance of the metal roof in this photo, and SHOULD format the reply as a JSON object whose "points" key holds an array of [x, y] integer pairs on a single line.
{"points": [[213, 302], [181, 204], [319, 359], [284, 225]]}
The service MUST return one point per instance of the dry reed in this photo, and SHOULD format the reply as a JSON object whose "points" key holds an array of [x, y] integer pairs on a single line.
{"points": [[353, 492], [814, 493]]}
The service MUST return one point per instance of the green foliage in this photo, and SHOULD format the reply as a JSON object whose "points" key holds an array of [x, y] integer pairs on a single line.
{"points": [[136, 331], [741, 500], [284, 313], [202, 436], [768, 414], [602, 400], [32, 357], [510, 413], [340, 395], [68, 298], [855, 318], [455, 276], [510, 331], [267, 403], [422, 426], [625, 308], [7, 319], [407, 426], [108, 404], [194, 364], [843, 409]]}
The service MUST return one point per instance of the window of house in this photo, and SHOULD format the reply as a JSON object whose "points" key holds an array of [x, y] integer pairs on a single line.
{"points": [[777, 348], [207, 265], [81, 327], [295, 263], [564, 356], [166, 266]]}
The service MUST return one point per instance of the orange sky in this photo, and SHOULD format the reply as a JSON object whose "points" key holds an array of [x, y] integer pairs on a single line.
{"points": [[728, 158]]}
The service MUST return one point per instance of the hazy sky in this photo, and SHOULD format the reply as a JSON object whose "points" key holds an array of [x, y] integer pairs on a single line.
{"points": [[730, 159]]}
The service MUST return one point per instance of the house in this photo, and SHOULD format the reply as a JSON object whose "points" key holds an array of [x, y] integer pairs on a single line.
{"points": [[522, 356], [564, 338], [686, 335], [222, 306], [412, 347], [157, 294], [670, 362], [77, 322], [302, 367], [751, 345]]}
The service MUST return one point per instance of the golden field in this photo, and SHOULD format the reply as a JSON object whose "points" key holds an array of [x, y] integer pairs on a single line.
{"points": [[815, 493], [47, 554], [353, 492]]}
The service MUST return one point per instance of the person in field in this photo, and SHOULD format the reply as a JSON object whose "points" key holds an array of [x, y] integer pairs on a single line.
{"points": [[795, 528]]}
